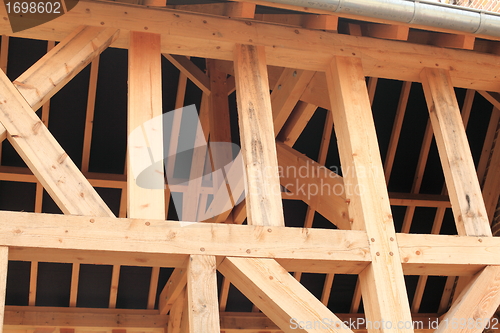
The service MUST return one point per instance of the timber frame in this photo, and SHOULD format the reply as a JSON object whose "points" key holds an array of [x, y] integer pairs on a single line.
{"points": [[307, 64]]}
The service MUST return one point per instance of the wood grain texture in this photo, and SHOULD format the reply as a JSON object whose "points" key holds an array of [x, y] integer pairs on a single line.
{"points": [[257, 137], [467, 201], [203, 303], [382, 282]]}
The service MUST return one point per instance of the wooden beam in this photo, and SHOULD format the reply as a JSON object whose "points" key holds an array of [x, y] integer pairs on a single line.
{"points": [[382, 282], [240, 9], [188, 68], [17, 317], [203, 306], [475, 305], [174, 287], [296, 122], [467, 202], [286, 94], [177, 321], [257, 137], [188, 34], [319, 187], [386, 31], [282, 298], [45, 157], [4, 261], [145, 126], [92, 319]]}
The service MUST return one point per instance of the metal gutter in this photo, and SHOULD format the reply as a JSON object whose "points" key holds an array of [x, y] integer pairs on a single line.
{"points": [[417, 12]]}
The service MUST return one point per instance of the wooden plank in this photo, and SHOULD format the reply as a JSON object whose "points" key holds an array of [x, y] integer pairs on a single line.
{"points": [[33, 283], [453, 40], [4, 262], [187, 34], [26, 317], [73, 292], [286, 94], [144, 106], [188, 68], [177, 317], [386, 31], [257, 138], [113, 293], [319, 187], [456, 159], [282, 298], [45, 157], [203, 306], [47, 76], [240, 9], [173, 288], [396, 129], [296, 122], [89, 114], [321, 22], [153, 287], [382, 282], [4, 53], [476, 304]]}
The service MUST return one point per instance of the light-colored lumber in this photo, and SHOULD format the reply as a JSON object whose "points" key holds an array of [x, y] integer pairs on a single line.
{"points": [[177, 320], [45, 157], [465, 194], [173, 288], [188, 68], [386, 31], [203, 307], [89, 114], [48, 75], [453, 40], [319, 187], [75, 277], [257, 136], [187, 34], [4, 53], [396, 129], [382, 282], [153, 287], [32, 317], [321, 22], [145, 145], [240, 9], [33, 283], [282, 298], [113, 290], [475, 305], [286, 94], [297, 121], [4, 261]]}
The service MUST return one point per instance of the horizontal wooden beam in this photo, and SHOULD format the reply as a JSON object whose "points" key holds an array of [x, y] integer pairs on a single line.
{"points": [[30, 317], [151, 237], [214, 37], [60, 238]]}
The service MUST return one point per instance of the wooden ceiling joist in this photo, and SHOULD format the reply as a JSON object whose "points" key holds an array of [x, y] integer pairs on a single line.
{"points": [[306, 68], [298, 48]]}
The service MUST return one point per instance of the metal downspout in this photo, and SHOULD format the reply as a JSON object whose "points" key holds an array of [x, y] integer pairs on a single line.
{"points": [[419, 12]]}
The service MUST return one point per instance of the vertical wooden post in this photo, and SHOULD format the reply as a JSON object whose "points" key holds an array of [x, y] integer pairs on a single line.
{"points": [[480, 298], [466, 199], [203, 305], [382, 282], [145, 103], [264, 206], [4, 261]]}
